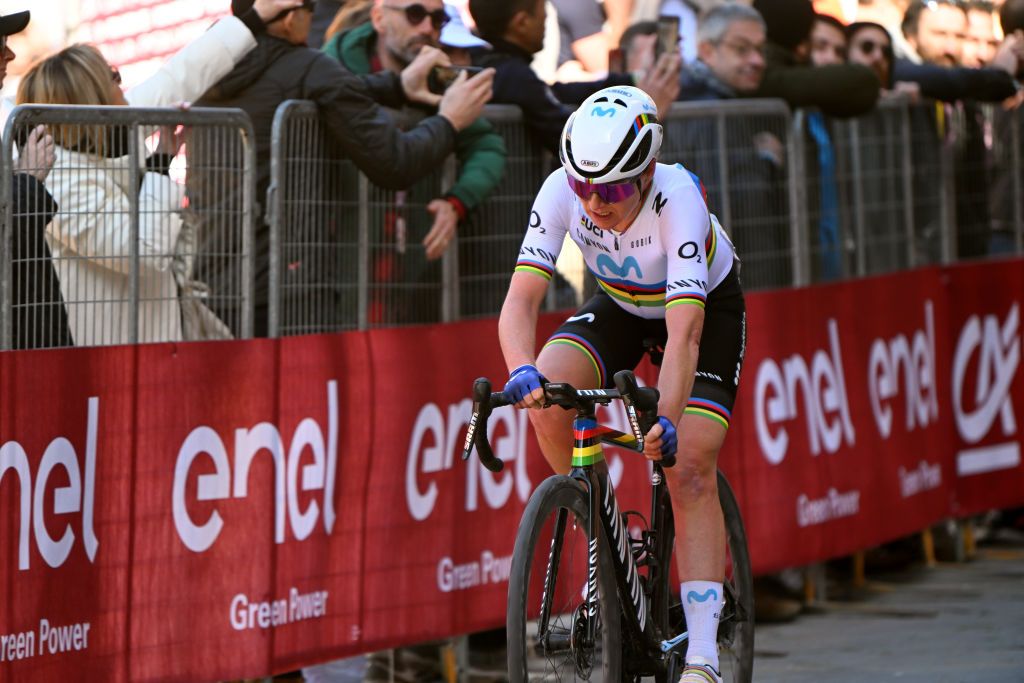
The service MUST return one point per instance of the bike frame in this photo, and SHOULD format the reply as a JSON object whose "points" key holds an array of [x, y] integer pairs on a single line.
{"points": [[591, 470]]}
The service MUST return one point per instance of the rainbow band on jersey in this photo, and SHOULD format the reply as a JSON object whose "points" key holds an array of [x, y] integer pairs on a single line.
{"points": [[586, 444], [711, 246], [577, 342], [633, 293], [709, 409], [692, 298], [536, 267]]}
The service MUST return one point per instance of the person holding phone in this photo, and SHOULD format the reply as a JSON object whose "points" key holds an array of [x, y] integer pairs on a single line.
{"points": [[395, 34]]}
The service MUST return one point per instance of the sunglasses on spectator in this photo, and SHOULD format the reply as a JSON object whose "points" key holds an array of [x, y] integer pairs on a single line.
{"points": [[868, 47], [609, 193], [415, 14], [3, 45], [115, 76]]}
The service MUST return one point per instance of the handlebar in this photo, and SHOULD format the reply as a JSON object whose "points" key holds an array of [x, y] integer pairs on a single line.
{"points": [[641, 409]]}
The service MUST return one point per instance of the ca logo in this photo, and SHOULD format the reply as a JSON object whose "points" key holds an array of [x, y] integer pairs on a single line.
{"points": [[999, 355]]}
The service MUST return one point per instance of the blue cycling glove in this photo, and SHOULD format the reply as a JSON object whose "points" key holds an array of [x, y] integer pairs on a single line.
{"points": [[523, 381], [669, 440]]}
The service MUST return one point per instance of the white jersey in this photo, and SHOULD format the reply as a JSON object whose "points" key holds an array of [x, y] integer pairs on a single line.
{"points": [[674, 253]]}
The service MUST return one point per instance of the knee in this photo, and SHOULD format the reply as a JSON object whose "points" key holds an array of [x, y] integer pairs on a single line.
{"points": [[694, 476]]}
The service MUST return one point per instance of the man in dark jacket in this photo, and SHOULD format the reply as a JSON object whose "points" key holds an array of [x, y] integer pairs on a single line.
{"points": [[390, 40], [515, 29], [931, 61], [38, 317], [281, 68]]}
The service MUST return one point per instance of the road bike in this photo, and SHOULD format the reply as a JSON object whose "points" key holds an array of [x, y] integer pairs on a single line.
{"points": [[588, 599]]}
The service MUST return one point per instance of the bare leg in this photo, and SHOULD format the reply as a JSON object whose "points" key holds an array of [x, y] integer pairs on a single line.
{"points": [[700, 527], [553, 426]]}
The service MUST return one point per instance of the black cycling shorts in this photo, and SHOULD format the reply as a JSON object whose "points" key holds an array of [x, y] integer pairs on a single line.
{"points": [[614, 339]]}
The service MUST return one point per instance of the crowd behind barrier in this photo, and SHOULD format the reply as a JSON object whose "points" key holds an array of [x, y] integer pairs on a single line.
{"points": [[134, 257], [905, 186], [215, 520]]}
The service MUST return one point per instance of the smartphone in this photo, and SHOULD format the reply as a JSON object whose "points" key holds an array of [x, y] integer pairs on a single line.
{"points": [[616, 61], [668, 35], [440, 77]]}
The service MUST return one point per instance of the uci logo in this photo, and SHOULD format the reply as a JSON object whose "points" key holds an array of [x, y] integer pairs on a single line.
{"points": [[601, 111]]}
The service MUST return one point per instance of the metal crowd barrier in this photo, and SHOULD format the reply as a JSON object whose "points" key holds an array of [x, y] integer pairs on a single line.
{"points": [[805, 200], [138, 256]]}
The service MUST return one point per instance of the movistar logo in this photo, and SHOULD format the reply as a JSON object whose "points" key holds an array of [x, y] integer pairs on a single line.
{"points": [[604, 261], [601, 111]]}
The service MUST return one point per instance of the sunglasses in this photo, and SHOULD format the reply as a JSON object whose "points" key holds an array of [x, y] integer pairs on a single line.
{"points": [[868, 47], [115, 76], [415, 14], [610, 193]]}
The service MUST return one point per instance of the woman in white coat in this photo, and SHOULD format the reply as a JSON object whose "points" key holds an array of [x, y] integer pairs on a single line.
{"points": [[92, 181]]}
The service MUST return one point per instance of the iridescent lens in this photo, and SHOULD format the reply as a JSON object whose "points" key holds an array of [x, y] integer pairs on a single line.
{"points": [[610, 193]]}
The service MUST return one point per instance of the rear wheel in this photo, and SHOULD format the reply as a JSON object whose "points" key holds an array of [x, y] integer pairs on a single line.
{"points": [[548, 619], [736, 628]]}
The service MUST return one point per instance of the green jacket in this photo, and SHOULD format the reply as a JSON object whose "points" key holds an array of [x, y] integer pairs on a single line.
{"points": [[479, 149]]}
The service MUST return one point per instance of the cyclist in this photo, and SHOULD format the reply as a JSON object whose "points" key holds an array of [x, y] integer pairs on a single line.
{"points": [[667, 271]]}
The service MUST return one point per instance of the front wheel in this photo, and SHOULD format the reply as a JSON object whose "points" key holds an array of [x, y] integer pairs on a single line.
{"points": [[548, 619], [736, 628]]}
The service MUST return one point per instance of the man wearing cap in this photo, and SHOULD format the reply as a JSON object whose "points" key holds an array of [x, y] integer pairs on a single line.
{"points": [[39, 319], [390, 41]]}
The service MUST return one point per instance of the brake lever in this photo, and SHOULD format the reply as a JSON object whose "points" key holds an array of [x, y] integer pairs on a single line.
{"points": [[476, 432]]}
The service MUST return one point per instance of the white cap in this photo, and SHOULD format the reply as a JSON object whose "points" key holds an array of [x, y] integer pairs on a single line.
{"points": [[456, 34]]}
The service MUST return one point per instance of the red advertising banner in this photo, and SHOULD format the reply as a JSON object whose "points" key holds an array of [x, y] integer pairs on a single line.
{"points": [[222, 510]]}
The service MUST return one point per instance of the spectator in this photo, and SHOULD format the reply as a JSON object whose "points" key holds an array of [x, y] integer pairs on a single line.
{"points": [[837, 89], [827, 49], [390, 41], [92, 182], [362, 130], [516, 31], [870, 44], [353, 13], [324, 13], [828, 41], [980, 42], [934, 31], [37, 308], [730, 64], [925, 30]]}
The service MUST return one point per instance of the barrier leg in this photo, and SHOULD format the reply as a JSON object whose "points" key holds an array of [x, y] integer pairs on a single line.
{"points": [[928, 546], [859, 580]]}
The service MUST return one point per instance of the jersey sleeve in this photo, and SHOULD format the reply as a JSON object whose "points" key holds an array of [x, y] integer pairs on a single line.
{"points": [[690, 244], [545, 233]]}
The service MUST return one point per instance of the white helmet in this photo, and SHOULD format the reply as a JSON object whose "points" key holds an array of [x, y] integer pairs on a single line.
{"points": [[613, 136]]}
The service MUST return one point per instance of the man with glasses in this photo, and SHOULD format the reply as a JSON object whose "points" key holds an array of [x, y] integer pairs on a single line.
{"points": [[396, 33], [281, 68], [730, 64]]}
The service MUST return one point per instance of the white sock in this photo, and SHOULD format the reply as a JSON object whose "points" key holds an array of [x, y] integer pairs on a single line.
{"points": [[702, 605]]}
